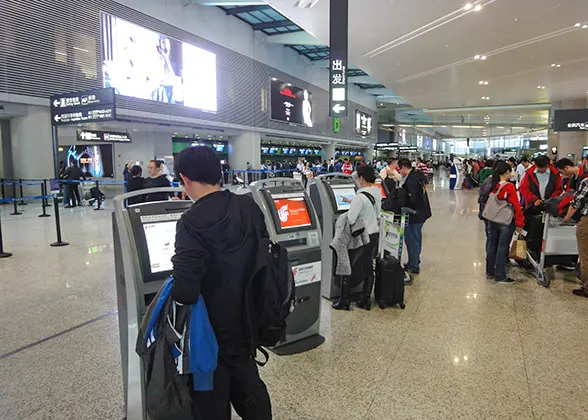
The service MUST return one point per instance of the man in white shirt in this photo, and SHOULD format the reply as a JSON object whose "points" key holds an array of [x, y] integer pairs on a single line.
{"points": [[390, 171], [522, 169]]}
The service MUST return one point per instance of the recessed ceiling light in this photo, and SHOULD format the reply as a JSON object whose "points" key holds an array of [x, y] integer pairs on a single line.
{"points": [[584, 26], [553, 65], [478, 8], [558, 66], [468, 6], [477, 57], [483, 57], [481, 82], [577, 25]]}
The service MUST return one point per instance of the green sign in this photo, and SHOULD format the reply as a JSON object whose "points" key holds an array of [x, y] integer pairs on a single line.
{"points": [[336, 125]]}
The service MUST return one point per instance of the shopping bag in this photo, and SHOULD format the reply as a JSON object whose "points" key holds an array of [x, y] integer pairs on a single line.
{"points": [[518, 250]]}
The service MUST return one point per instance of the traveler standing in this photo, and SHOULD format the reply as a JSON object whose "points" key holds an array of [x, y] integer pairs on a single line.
{"points": [[580, 205], [486, 171], [74, 174], [391, 171], [365, 206], [216, 245], [418, 200], [347, 167], [575, 174], [541, 182], [156, 180], [522, 169], [500, 235], [134, 183]]}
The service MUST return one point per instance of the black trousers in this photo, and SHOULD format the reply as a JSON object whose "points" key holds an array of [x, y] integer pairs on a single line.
{"points": [[236, 382], [74, 194]]}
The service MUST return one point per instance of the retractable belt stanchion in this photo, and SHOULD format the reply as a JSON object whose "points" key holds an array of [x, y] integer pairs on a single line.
{"points": [[22, 203], [44, 195], [2, 253], [2, 189], [45, 200], [15, 212], [58, 224]]}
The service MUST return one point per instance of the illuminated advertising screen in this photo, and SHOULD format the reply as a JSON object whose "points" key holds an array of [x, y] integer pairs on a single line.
{"points": [[94, 160], [292, 212], [160, 239], [291, 104], [344, 193], [143, 64]]}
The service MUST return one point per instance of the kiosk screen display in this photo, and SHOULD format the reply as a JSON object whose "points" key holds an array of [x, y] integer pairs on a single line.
{"points": [[292, 211], [340, 194], [160, 239]]}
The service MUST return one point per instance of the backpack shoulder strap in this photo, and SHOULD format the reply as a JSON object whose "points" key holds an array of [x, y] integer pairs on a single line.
{"points": [[370, 197]]}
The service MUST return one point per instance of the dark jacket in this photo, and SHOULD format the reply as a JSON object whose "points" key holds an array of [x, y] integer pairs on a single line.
{"points": [[135, 184], [159, 182], [418, 200], [74, 173], [216, 246]]}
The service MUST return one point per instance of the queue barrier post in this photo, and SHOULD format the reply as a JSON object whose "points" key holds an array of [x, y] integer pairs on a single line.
{"points": [[45, 200], [22, 203], [44, 195], [3, 254], [59, 242], [2, 189], [14, 201]]}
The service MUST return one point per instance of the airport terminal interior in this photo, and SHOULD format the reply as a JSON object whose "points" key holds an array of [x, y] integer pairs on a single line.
{"points": [[301, 105]]}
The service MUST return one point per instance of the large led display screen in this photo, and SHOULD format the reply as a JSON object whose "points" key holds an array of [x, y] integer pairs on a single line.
{"points": [[291, 104], [144, 64], [94, 160]]}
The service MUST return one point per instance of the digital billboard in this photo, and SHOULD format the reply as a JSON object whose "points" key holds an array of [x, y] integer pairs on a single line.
{"points": [[291, 104], [94, 160], [143, 64]]}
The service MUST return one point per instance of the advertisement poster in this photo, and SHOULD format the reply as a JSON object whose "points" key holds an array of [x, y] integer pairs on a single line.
{"points": [[307, 273], [95, 161], [290, 104], [292, 213], [143, 64], [392, 234]]}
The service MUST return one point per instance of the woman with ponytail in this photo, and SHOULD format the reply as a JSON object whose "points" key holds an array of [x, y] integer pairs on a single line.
{"points": [[499, 235]]}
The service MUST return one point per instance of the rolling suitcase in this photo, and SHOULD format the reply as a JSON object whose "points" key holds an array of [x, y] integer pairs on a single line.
{"points": [[389, 290]]}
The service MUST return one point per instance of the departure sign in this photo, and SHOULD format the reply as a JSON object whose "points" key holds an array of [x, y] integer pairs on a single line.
{"points": [[363, 124], [104, 136], [338, 45], [570, 120], [83, 107]]}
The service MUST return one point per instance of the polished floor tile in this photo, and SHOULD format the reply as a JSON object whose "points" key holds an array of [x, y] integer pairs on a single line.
{"points": [[464, 347]]}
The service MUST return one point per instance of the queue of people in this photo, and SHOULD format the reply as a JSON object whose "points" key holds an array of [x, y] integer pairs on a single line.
{"points": [[158, 177]]}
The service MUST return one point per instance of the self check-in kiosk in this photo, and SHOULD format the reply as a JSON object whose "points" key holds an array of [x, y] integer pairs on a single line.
{"points": [[293, 223], [327, 193], [144, 242]]}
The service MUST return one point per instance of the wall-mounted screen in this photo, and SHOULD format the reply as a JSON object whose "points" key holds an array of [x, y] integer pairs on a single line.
{"points": [[94, 160], [292, 212], [344, 197], [291, 104], [143, 64]]}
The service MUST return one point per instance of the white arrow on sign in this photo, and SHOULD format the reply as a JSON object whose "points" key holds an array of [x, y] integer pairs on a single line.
{"points": [[56, 103], [338, 108], [57, 118]]}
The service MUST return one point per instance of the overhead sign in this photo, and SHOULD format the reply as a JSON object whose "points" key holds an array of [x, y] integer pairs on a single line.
{"points": [[290, 104], [104, 136], [363, 124], [570, 120], [407, 148], [83, 107], [338, 47]]}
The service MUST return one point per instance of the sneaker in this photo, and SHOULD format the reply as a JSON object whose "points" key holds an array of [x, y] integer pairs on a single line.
{"points": [[580, 292], [507, 280], [411, 271]]}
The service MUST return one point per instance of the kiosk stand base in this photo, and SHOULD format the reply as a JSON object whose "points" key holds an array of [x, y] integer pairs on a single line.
{"points": [[299, 346], [5, 254]]}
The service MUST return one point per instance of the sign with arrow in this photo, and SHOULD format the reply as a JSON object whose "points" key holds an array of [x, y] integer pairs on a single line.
{"points": [[83, 107], [338, 47]]}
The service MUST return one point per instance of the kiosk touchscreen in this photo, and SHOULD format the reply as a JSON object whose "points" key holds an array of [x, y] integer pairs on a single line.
{"points": [[327, 193], [144, 237], [292, 222]]}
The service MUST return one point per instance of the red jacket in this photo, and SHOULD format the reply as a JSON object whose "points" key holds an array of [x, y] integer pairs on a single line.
{"points": [[574, 181], [529, 187], [509, 192], [347, 168]]}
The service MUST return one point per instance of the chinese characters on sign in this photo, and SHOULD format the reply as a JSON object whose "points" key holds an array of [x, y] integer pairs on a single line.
{"points": [[104, 136], [83, 107], [363, 124], [339, 15], [570, 120]]}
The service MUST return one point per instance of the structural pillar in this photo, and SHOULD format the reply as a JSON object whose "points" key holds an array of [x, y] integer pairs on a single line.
{"points": [[329, 151], [368, 154], [245, 148]]}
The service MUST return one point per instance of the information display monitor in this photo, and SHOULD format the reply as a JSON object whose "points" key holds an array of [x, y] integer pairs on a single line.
{"points": [[340, 193], [292, 211]]}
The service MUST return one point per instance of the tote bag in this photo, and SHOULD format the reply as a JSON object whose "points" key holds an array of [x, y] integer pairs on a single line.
{"points": [[498, 211]]}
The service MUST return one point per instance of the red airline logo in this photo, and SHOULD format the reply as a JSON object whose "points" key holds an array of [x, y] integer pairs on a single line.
{"points": [[287, 92]]}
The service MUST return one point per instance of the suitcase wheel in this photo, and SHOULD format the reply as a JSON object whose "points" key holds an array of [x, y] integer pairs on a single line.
{"points": [[402, 305], [408, 278]]}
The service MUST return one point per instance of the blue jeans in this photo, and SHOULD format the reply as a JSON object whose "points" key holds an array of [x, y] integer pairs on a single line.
{"points": [[413, 236], [497, 248], [66, 194]]}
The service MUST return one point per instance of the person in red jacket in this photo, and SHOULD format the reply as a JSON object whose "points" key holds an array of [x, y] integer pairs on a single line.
{"points": [[541, 182], [499, 235], [574, 174], [347, 167]]}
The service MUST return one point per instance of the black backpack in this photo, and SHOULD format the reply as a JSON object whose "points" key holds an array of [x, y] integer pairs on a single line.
{"points": [[270, 296], [396, 199]]}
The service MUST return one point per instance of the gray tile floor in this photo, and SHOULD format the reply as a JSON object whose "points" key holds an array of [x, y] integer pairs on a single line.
{"points": [[464, 348]]}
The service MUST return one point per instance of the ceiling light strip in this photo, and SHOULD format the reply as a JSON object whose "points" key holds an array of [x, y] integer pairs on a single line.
{"points": [[424, 29], [490, 53]]}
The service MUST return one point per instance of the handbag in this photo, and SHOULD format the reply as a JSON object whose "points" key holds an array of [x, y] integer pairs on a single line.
{"points": [[498, 211], [518, 250]]}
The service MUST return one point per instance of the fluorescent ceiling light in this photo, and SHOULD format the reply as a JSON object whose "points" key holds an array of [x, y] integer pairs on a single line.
{"points": [[577, 25], [478, 8], [477, 57], [468, 6], [584, 26], [483, 57]]}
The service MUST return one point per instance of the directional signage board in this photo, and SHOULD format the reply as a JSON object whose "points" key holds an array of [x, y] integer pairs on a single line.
{"points": [[338, 45], [363, 124], [570, 120], [104, 136], [83, 107]]}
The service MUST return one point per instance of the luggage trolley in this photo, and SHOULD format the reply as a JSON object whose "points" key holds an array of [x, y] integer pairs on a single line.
{"points": [[392, 236], [559, 239]]}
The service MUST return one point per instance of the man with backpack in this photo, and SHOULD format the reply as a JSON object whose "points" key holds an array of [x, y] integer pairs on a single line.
{"points": [[417, 200], [217, 244]]}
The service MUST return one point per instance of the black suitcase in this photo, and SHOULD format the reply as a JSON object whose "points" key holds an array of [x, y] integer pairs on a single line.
{"points": [[389, 289]]}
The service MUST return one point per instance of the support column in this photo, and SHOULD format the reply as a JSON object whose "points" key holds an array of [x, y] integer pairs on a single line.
{"points": [[245, 148], [569, 142], [329, 151], [368, 154], [6, 168]]}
